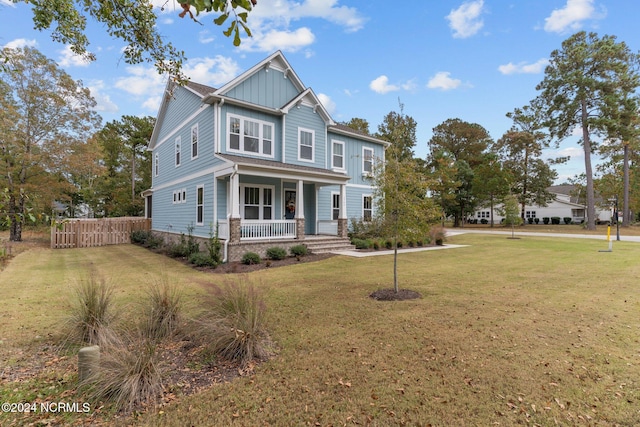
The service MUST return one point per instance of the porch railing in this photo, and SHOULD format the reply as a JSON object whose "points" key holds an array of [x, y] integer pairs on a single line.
{"points": [[269, 229]]}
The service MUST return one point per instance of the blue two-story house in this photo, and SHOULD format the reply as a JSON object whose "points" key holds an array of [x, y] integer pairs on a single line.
{"points": [[261, 160]]}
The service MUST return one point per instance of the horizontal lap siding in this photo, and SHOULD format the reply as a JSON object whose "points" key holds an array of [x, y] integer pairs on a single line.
{"points": [[353, 156], [257, 115]]}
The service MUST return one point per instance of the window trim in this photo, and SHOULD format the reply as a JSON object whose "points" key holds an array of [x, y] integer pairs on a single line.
{"points": [[178, 151], [366, 159], [261, 204], [195, 144], [313, 145], [334, 195], [261, 140], [370, 197], [156, 165], [342, 156], [200, 204]]}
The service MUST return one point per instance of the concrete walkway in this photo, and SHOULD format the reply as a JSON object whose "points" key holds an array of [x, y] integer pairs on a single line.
{"points": [[361, 254]]}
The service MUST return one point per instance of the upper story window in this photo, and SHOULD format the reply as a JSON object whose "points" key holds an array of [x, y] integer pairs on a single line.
{"points": [[250, 136], [194, 141], [337, 155], [178, 143], [306, 141], [367, 160]]}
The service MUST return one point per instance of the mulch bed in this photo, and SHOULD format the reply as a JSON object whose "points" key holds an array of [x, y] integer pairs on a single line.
{"points": [[238, 267], [392, 295]]}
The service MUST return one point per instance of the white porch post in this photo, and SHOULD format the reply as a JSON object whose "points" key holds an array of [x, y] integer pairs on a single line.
{"points": [[343, 202], [235, 196], [300, 200]]}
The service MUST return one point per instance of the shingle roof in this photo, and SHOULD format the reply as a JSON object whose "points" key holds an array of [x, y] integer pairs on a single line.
{"points": [[279, 165], [201, 89]]}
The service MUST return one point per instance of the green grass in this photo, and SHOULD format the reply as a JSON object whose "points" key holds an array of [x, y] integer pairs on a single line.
{"points": [[533, 331]]}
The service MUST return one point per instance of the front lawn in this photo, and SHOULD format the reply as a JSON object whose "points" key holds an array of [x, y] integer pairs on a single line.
{"points": [[535, 331]]}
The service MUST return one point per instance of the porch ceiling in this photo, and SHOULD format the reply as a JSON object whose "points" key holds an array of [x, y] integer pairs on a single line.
{"points": [[270, 168]]}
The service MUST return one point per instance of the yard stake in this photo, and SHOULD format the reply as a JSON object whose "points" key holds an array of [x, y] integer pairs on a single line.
{"points": [[608, 240]]}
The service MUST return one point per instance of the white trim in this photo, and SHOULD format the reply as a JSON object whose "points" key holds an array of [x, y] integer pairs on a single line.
{"points": [[333, 167], [364, 159], [156, 165], [197, 144], [363, 197], [180, 126], [200, 205], [242, 133], [261, 205], [333, 194], [313, 144]]}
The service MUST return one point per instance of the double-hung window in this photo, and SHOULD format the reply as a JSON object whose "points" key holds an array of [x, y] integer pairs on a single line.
{"points": [[367, 208], [156, 166], [335, 206], [337, 155], [367, 161], [305, 144], [200, 205], [194, 141], [250, 136]]}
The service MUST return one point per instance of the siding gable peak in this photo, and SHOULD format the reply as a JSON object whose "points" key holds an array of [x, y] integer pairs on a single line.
{"points": [[308, 98]]}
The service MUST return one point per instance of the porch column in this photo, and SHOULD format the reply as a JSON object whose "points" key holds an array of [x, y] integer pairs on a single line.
{"points": [[234, 199], [300, 210], [343, 226]]}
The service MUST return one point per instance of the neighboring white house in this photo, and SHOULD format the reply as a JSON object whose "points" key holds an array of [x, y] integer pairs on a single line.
{"points": [[565, 205]]}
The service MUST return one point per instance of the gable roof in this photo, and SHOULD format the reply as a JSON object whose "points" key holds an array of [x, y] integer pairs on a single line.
{"points": [[308, 97], [347, 131]]}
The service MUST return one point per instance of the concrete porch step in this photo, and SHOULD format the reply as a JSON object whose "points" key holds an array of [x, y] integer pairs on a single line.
{"points": [[319, 246]]}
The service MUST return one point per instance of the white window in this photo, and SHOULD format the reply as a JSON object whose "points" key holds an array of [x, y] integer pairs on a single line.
{"points": [[367, 160], [337, 155], [305, 144], [256, 202], [200, 205], [180, 196], [335, 206], [530, 214], [367, 207], [250, 136], [178, 142], [194, 141], [156, 167]]}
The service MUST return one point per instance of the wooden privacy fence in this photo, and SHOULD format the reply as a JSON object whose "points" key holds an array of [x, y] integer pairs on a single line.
{"points": [[85, 233]]}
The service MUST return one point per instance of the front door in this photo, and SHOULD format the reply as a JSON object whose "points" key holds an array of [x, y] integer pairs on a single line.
{"points": [[289, 204]]}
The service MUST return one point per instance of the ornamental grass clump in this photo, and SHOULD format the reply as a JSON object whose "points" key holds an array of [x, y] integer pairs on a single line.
{"points": [[237, 323], [92, 313], [130, 375], [162, 308]]}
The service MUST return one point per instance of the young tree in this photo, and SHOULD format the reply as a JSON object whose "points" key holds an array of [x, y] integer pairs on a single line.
{"points": [[400, 130], [585, 86], [45, 117], [511, 213], [491, 182], [134, 23]]}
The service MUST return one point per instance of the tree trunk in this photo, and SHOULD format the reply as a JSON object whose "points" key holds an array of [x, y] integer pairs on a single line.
{"points": [[586, 143], [626, 221], [16, 209]]}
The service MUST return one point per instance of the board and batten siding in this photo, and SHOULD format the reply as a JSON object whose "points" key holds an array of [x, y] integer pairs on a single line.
{"points": [[354, 201], [268, 88]]}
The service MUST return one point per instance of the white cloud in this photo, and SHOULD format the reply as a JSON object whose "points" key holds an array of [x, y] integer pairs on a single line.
{"points": [[69, 59], [524, 68], [211, 71], [143, 81], [20, 43], [381, 85], [570, 17], [288, 41], [442, 80], [103, 100], [205, 37], [152, 103], [465, 21], [327, 102], [7, 3]]}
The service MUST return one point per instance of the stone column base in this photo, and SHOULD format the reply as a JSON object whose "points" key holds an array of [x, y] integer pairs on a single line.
{"points": [[343, 228], [300, 228]]}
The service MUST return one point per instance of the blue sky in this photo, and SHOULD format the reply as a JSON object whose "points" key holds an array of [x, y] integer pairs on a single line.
{"points": [[473, 60]]}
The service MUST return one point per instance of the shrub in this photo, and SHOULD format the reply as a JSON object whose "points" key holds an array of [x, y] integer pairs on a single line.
{"points": [[388, 244], [250, 258], [530, 220], [376, 245], [238, 323], [536, 220], [140, 237], [567, 219], [545, 220], [436, 235], [361, 243], [555, 220], [129, 375], [214, 246], [162, 308], [484, 221], [202, 259], [276, 253], [298, 250], [91, 314]]}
